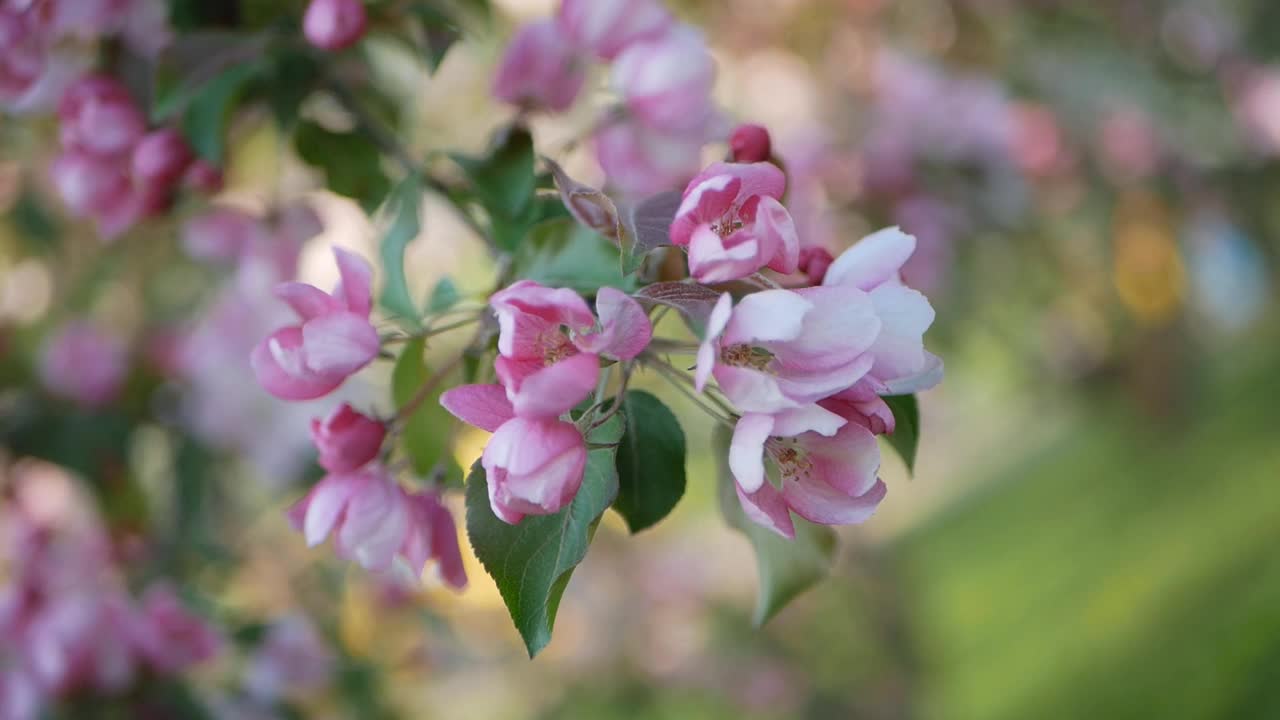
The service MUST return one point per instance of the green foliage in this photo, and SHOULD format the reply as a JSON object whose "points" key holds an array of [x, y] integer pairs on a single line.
{"points": [[503, 183], [204, 121], [427, 430], [351, 164], [533, 561], [443, 296], [651, 460], [404, 208], [647, 227], [562, 253], [906, 434], [786, 567]]}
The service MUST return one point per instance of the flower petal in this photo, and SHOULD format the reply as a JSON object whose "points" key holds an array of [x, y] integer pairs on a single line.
{"points": [[873, 261], [308, 301], [339, 344], [768, 316], [357, 281], [810, 418], [713, 259], [780, 245], [746, 450], [767, 508], [557, 388], [625, 328], [278, 364], [484, 406], [819, 503]]}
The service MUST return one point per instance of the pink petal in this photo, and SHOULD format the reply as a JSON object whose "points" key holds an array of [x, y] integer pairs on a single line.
{"points": [[809, 418], [709, 349], [625, 327], [780, 245], [713, 259], [308, 301], [760, 178], [751, 390], [557, 388], [746, 450], [357, 281], [706, 199], [375, 523], [847, 462], [766, 507], [768, 316], [873, 261], [339, 344], [560, 306], [929, 376], [444, 546], [296, 381], [905, 315], [484, 406], [324, 505], [822, 504]]}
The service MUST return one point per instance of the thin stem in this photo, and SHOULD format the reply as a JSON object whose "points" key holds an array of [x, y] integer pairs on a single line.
{"points": [[689, 382], [665, 345], [765, 282], [424, 392], [617, 400], [380, 135], [431, 332], [677, 382]]}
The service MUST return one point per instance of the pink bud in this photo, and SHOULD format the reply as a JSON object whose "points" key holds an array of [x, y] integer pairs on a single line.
{"points": [[334, 24], [539, 69], [89, 184], [814, 261], [99, 116], [83, 364], [346, 439], [161, 157], [750, 143], [203, 177]]}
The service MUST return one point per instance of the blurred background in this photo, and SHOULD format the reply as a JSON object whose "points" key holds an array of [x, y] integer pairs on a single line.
{"points": [[1092, 524]]}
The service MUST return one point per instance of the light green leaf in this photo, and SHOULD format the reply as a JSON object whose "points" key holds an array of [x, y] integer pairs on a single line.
{"points": [[533, 561], [562, 253], [786, 567], [504, 184], [427, 431], [906, 433], [651, 455], [444, 296], [404, 208]]}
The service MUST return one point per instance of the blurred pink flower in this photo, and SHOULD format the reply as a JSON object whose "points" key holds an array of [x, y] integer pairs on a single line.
{"points": [[640, 161], [432, 535], [161, 158], [292, 659], [666, 82], [334, 24], [749, 143], [539, 70], [365, 512], [346, 439], [607, 27], [84, 364], [334, 340], [222, 233], [168, 636]]}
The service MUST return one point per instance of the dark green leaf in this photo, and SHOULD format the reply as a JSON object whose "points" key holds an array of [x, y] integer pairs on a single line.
{"points": [[444, 296], [906, 433], [562, 253], [504, 183], [647, 227], [351, 163], [35, 226], [651, 476], [185, 68], [532, 562], [294, 76], [786, 567], [205, 121], [404, 207], [427, 431]]}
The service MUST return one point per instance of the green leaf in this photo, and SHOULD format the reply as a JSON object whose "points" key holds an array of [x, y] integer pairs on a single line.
{"points": [[562, 253], [444, 296], [185, 68], [351, 164], [786, 567], [532, 562], [504, 183], [694, 302], [651, 476], [404, 205], [906, 433], [427, 431], [204, 122], [293, 77]]}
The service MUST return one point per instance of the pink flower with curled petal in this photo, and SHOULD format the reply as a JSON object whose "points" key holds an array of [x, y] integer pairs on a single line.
{"points": [[540, 70], [334, 24], [533, 466], [874, 265], [346, 439], [732, 223], [432, 535], [784, 349], [607, 27], [334, 340], [84, 364], [827, 468], [168, 636], [364, 511], [666, 82]]}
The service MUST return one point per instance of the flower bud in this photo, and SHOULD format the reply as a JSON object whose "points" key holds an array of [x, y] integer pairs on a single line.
{"points": [[161, 157], [814, 261], [334, 24], [98, 116], [666, 83], [89, 184], [539, 70], [346, 439], [750, 143]]}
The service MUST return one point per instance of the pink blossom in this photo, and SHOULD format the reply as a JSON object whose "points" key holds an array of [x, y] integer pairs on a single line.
{"points": [[98, 116], [827, 467], [168, 636], [363, 510], [223, 234], [161, 157], [732, 223], [814, 261], [901, 364], [346, 439], [334, 340], [533, 466], [293, 658], [750, 143], [89, 184], [539, 70], [607, 27], [783, 349], [84, 364], [666, 82], [334, 24], [640, 161], [432, 535]]}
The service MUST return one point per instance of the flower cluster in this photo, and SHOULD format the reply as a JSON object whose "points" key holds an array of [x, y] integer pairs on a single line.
{"points": [[374, 520], [661, 70], [549, 350], [68, 623], [111, 169]]}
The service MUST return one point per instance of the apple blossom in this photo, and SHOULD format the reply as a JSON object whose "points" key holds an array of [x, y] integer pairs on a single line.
{"points": [[539, 70], [346, 439], [161, 157], [432, 535], [666, 82], [607, 27], [640, 161], [168, 636], [364, 511], [293, 658], [334, 340]]}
